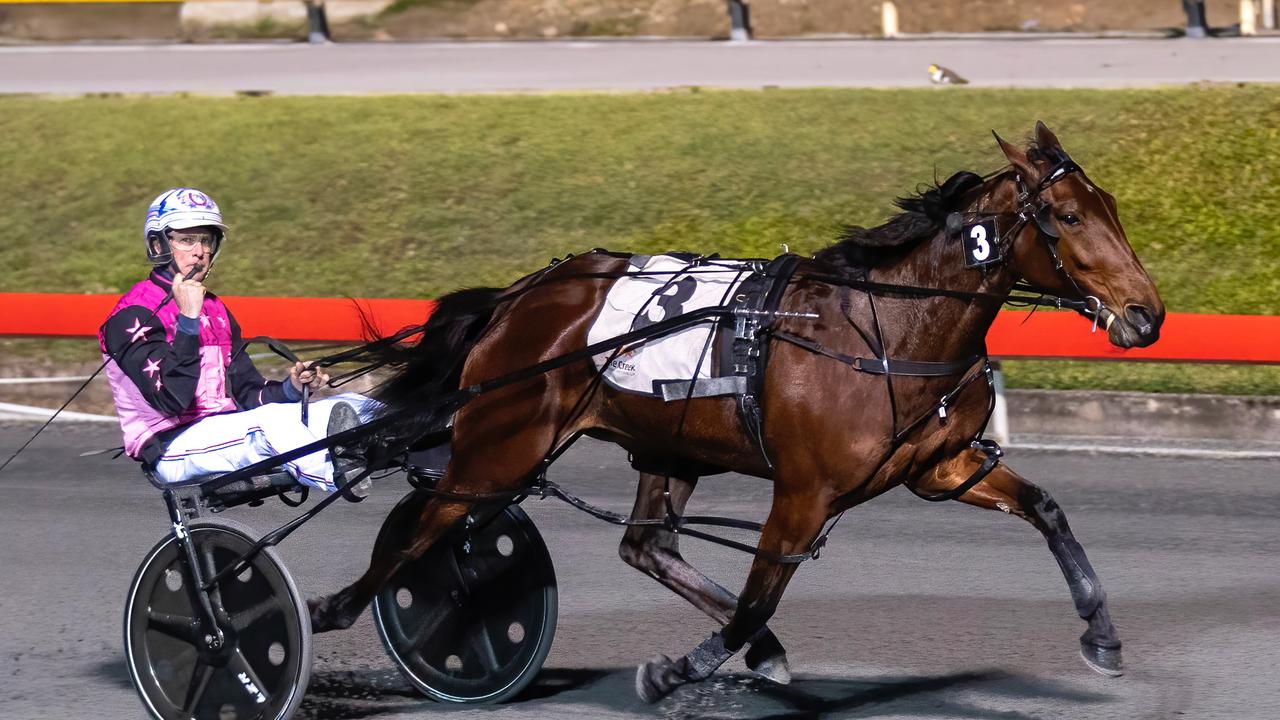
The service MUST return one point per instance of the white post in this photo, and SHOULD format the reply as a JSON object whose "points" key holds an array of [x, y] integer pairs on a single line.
{"points": [[998, 428], [1269, 14], [1248, 18], [889, 19]]}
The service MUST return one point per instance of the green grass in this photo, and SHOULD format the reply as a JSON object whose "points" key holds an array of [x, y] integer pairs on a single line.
{"points": [[417, 195]]}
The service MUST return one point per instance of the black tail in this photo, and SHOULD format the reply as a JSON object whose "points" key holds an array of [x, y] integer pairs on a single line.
{"points": [[432, 368]]}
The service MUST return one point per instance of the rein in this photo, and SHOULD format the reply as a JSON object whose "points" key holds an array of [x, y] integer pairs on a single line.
{"points": [[1032, 208]]}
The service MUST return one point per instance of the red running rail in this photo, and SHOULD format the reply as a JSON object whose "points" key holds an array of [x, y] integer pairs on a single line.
{"points": [[1185, 337]]}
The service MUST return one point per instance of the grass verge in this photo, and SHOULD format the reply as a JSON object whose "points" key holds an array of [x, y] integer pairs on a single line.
{"points": [[416, 195]]}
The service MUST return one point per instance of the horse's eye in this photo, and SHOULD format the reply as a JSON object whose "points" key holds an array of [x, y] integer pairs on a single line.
{"points": [[1069, 219]]}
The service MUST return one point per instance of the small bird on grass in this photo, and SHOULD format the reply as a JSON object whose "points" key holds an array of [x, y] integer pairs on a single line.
{"points": [[939, 75]]}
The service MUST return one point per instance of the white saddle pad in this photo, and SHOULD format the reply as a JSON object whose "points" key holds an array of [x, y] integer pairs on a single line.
{"points": [[668, 287]]}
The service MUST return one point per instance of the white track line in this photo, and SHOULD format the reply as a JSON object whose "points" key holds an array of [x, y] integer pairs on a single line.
{"points": [[124, 47], [1149, 451], [10, 411], [38, 380]]}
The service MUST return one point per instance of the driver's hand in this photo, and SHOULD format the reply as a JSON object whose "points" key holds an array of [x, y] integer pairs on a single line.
{"points": [[189, 295], [301, 375]]}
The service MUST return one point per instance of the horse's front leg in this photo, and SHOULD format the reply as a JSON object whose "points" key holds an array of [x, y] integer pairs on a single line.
{"points": [[1008, 492], [655, 551], [793, 525]]}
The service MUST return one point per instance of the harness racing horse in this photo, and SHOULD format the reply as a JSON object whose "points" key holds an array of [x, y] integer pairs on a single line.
{"points": [[833, 434]]}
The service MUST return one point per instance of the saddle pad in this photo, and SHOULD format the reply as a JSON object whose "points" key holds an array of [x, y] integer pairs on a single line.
{"points": [[658, 288]]}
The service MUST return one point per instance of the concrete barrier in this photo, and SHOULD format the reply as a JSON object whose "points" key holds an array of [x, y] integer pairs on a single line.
{"points": [[1153, 416]]}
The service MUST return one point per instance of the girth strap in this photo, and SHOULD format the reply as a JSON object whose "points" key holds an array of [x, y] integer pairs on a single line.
{"points": [[880, 366], [750, 344]]}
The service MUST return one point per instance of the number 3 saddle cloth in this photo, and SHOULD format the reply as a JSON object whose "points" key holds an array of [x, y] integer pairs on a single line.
{"points": [[714, 357]]}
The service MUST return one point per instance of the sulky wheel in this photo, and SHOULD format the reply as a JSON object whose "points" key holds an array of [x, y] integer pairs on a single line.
{"points": [[261, 670], [471, 621]]}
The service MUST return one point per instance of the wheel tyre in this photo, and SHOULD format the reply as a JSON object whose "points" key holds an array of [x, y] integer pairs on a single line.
{"points": [[263, 670], [472, 626]]}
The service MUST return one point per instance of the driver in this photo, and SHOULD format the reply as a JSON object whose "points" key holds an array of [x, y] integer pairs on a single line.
{"points": [[189, 404]]}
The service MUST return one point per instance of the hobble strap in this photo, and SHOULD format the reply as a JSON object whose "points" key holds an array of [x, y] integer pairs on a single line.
{"points": [[994, 453]]}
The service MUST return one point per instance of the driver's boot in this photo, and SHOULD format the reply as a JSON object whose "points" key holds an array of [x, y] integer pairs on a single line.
{"points": [[347, 461]]}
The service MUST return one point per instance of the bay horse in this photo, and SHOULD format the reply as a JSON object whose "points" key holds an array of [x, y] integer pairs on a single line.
{"points": [[831, 437]]}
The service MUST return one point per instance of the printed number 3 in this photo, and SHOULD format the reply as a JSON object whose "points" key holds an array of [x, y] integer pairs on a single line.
{"points": [[671, 301], [982, 249]]}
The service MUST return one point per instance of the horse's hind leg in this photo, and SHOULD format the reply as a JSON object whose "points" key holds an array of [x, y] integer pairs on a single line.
{"points": [[488, 457], [656, 552], [1008, 492], [793, 525], [433, 519]]}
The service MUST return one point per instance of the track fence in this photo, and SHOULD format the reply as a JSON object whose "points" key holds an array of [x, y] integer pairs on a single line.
{"points": [[1185, 337]]}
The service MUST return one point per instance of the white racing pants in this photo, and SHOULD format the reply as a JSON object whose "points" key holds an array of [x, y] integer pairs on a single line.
{"points": [[223, 443]]}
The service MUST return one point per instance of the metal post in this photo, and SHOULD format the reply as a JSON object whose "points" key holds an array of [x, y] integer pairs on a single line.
{"points": [[999, 426], [1197, 24], [739, 21], [317, 23]]}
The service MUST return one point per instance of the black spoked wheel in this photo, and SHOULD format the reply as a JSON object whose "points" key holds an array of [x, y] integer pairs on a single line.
{"points": [[472, 622], [262, 669]]}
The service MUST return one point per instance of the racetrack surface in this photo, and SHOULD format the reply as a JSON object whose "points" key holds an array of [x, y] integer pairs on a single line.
{"points": [[628, 65], [914, 610]]}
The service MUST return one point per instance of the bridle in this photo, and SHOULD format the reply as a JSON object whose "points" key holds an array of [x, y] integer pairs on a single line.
{"points": [[1032, 207]]}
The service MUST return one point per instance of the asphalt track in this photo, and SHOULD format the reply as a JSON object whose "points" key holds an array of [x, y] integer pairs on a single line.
{"points": [[629, 65], [914, 610]]}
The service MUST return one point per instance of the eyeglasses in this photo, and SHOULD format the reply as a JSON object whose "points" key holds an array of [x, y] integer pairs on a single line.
{"points": [[188, 242]]}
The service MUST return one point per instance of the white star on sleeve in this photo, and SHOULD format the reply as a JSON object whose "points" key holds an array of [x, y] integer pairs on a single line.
{"points": [[138, 331]]}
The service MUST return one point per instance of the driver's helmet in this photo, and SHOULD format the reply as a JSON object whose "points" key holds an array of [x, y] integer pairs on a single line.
{"points": [[179, 209]]}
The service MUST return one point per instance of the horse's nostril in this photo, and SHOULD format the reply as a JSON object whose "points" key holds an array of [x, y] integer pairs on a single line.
{"points": [[1140, 318]]}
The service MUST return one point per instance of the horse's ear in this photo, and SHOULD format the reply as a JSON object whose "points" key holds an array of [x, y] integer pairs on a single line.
{"points": [[1018, 159], [1045, 137]]}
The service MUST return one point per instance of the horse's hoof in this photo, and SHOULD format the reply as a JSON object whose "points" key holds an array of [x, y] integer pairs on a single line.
{"points": [[766, 658], [327, 613], [1104, 661], [656, 679], [775, 669], [318, 609]]}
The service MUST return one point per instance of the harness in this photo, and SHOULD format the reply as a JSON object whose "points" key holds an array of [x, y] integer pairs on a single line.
{"points": [[756, 311], [753, 313], [1031, 208]]}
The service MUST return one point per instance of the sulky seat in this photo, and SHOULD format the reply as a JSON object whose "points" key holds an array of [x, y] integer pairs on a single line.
{"points": [[202, 493]]}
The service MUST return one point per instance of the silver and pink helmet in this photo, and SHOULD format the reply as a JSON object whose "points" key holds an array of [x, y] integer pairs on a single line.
{"points": [[179, 209]]}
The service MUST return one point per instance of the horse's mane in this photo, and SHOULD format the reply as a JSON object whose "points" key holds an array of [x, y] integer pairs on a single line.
{"points": [[923, 215]]}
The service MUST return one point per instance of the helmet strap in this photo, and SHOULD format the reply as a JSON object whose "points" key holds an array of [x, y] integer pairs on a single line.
{"points": [[222, 236], [162, 254]]}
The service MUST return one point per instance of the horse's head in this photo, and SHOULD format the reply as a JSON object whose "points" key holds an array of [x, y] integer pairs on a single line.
{"points": [[1073, 245]]}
